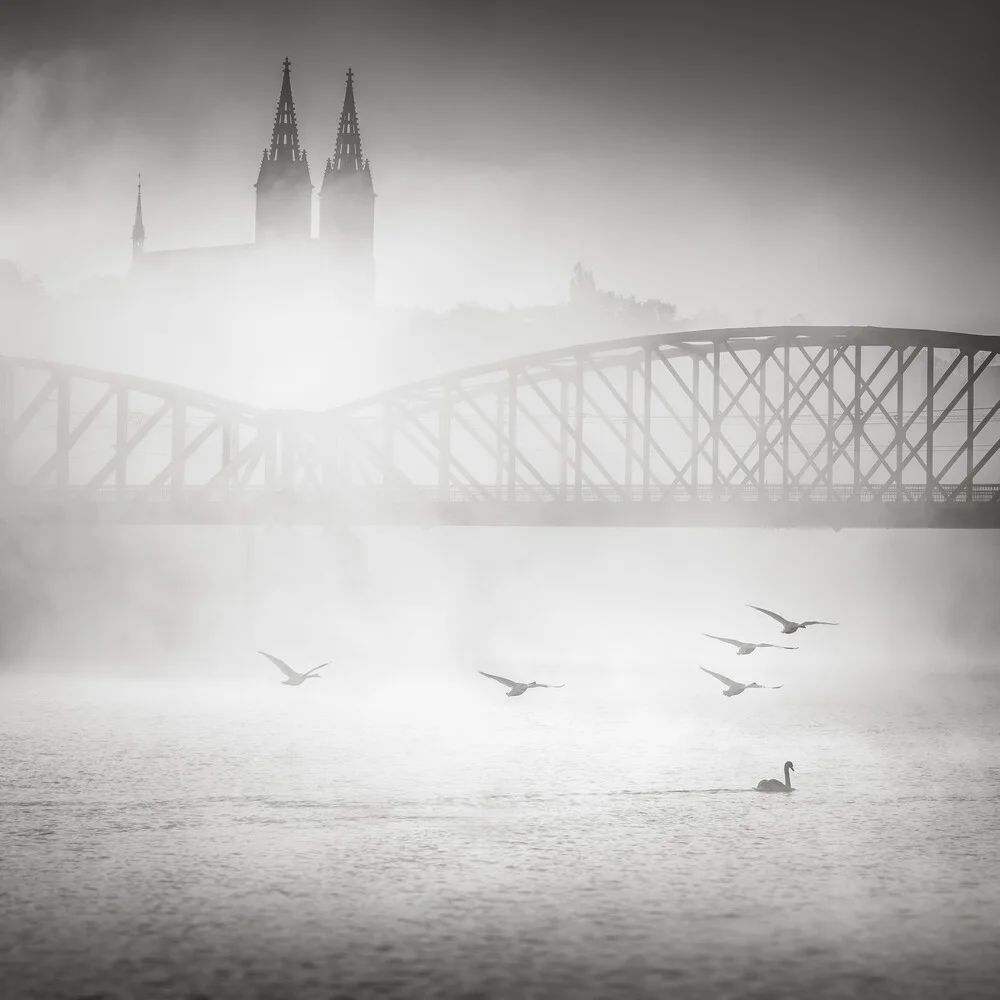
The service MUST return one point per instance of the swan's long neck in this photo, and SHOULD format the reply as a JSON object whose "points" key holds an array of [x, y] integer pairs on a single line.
{"points": [[788, 780]]}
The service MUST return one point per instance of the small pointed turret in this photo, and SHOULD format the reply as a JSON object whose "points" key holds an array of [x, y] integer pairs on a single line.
{"points": [[347, 197], [284, 190], [138, 229]]}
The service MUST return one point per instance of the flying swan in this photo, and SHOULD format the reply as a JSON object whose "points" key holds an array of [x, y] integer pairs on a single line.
{"points": [[746, 648], [788, 627], [517, 687], [294, 677], [773, 785], [735, 687]]}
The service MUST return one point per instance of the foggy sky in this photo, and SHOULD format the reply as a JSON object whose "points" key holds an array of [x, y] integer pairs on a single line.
{"points": [[766, 159]]}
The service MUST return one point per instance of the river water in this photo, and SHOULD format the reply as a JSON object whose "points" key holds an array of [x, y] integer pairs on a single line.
{"points": [[174, 838]]}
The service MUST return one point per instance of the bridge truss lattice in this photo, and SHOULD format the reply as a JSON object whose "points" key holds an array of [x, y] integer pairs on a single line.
{"points": [[768, 427]]}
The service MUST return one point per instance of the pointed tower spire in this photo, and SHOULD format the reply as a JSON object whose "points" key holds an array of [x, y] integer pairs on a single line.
{"points": [[284, 191], [285, 134], [347, 158], [347, 198], [138, 229]]}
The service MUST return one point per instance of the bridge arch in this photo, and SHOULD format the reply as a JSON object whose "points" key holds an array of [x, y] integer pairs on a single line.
{"points": [[88, 444], [754, 425]]}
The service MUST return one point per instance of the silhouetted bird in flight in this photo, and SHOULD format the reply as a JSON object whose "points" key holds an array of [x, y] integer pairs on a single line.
{"points": [[294, 677], [518, 687], [735, 687], [787, 627], [746, 648]]}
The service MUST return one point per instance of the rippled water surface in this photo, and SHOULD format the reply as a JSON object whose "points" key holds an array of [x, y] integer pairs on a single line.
{"points": [[182, 840]]}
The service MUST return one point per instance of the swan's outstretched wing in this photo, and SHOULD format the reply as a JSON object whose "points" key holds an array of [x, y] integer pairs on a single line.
{"points": [[771, 645], [728, 681], [732, 642], [280, 664], [502, 680], [820, 623], [320, 667], [772, 614]]}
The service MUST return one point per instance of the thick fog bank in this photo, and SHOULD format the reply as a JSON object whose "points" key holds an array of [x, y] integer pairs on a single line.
{"points": [[171, 601]]}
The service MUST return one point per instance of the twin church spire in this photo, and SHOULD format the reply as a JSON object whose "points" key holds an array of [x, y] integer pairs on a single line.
{"points": [[285, 133], [348, 157], [284, 190], [284, 187], [347, 198]]}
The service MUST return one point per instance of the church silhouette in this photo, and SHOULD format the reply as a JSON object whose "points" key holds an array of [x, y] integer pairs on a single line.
{"points": [[339, 261]]}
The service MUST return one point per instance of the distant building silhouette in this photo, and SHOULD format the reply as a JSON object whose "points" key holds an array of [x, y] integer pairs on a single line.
{"points": [[339, 262], [608, 307], [582, 287]]}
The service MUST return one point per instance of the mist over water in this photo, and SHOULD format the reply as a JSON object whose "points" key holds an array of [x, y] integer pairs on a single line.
{"points": [[598, 602], [232, 839], [182, 824]]}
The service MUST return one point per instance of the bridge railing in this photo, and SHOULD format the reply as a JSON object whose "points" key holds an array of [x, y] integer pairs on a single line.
{"points": [[744, 493]]}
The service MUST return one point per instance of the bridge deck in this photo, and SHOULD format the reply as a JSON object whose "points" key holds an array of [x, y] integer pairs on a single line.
{"points": [[738, 507]]}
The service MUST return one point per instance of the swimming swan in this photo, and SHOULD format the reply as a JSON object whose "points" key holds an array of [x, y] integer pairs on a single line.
{"points": [[735, 687], [294, 677], [517, 687], [773, 785], [746, 648], [788, 627]]}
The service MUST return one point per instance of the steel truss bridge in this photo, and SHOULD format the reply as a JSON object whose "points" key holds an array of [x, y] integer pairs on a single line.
{"points": [[767, 427]]}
